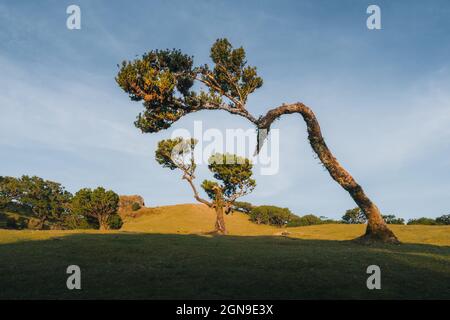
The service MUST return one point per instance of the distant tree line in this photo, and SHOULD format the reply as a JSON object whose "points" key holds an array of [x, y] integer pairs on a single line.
{"points": [[277, 216], [355, 216], [35, 203], [283, 217]]}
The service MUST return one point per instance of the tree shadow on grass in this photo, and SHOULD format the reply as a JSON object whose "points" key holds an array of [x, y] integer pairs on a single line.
{"points": [[169, 266]]}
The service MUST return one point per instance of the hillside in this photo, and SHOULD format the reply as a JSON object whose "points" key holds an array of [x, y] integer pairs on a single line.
{"points": [[198, 219], [191, 219]]}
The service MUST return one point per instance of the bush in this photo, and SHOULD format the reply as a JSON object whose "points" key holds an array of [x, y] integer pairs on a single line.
{"points": [[270, 215], [306, 220], [115, 222], [445, 219], [16, 223], [422, 221], [392, 219], [135, 206]]}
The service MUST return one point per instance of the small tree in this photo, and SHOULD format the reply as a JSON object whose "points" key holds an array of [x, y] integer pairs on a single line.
{"points": [[163, 80], [98, 204], [354, 216], [233, 175]]}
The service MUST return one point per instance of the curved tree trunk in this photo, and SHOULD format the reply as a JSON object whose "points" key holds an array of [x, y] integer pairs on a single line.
{"points": [[377, 230], [220, 221], [219, 207]]}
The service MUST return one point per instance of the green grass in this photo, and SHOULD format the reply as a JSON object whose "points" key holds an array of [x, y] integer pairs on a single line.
{"points": [[148, 266]]}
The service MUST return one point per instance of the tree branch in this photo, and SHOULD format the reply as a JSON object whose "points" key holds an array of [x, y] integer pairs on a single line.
{"points": [[194, 189]]}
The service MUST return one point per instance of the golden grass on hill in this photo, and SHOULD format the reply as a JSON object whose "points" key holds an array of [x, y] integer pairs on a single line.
{"points": [[197, 219], [192, 218]]}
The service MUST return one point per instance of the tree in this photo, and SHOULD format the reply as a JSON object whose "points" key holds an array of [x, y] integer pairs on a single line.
{"points": [[354, 216], [98, 204], [444, 219], [392, 219], [163, 80], [233, 175], [47, 200]]}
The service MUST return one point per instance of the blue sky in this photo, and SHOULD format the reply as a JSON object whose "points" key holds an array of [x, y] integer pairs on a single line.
{"points": [[382, 96]]}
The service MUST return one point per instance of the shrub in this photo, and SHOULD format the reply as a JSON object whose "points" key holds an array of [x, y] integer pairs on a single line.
{"points": [[115, 222], [422, 221], [126, 204], [445, 219], [135, 206]]}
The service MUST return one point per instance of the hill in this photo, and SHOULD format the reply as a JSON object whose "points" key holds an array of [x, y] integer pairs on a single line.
{"points": [[191, 219], [199, 219]]}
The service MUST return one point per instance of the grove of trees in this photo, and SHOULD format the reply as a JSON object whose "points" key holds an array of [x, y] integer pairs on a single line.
{"points": [[44, 204], [271, 215]]}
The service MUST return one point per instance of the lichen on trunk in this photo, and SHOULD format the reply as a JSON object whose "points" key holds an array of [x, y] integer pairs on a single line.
{"points": [[377, 230]]}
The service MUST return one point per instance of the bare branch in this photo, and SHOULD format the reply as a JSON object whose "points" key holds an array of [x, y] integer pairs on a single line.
{"points": [[189, 178]]}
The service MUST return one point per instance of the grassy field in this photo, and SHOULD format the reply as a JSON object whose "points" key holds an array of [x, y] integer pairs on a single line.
{"points": [[163, 253]]}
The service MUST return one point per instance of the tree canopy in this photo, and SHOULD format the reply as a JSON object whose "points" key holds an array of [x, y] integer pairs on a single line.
{"points": [[47, 200], [354, 216], [163, 80], [234, 175]]}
